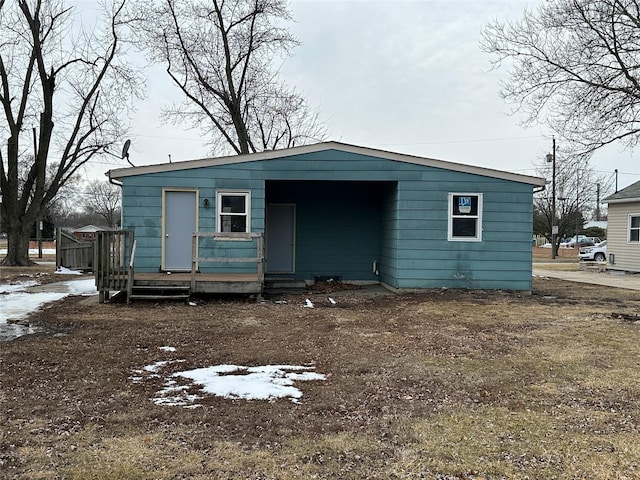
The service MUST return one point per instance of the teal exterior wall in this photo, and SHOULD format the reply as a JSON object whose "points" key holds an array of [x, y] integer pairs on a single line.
{"points": [[339, 236], [352, 210]]}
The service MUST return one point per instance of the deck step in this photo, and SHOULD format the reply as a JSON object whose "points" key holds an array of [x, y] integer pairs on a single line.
{"points": [[159, 292], [158, 297]]}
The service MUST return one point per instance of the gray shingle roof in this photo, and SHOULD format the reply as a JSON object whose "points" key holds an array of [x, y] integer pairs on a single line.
{"points": [[628, 194]]}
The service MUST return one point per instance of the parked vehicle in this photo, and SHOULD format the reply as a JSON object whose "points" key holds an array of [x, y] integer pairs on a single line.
{"points": [[596, 253], [581, 241]]}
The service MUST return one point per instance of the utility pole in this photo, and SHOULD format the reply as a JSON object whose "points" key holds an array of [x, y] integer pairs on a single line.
{"points": [[551, 157], [578, 215], [39, 220]]}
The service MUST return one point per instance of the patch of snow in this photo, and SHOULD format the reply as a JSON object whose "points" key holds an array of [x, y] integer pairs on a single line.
{"points": [[82, 287], [176, 396], [33, 251], [154, 367], [251, 383], [308, 303], [67, 271], [18, 287], [167, 349], [269, 382], [16, 305]]}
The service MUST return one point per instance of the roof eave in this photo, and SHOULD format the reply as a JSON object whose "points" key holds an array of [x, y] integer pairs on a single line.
{"points": [[623, 200], [120, 173]]}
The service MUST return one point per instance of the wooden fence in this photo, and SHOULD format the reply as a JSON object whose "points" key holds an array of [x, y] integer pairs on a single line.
{"points": [[73, 253]]}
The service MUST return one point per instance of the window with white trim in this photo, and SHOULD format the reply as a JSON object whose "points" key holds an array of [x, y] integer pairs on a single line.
{"points": [[634, 228], [465, 217], [233, 212]]}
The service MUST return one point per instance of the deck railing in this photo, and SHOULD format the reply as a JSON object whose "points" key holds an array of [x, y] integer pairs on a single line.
{"points": [[131, 279], [112, 262], [115, 252], [228, 237]]}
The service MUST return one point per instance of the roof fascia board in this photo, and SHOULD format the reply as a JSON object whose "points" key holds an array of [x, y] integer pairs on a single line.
{"points": [[319, 147], [623, 200]]}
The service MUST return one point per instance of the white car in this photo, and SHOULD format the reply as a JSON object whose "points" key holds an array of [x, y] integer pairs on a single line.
{"points": [[596, 253]]}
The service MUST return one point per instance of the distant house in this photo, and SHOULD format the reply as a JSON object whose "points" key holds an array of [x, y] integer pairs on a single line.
{"points": [[623, 231], [335, 211], [88, 232]]}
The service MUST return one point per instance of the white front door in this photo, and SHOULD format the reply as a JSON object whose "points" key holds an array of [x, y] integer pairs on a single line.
{"points": [[180, 216]]}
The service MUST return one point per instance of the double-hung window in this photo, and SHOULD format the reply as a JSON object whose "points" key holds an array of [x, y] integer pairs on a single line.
{"points": [[465, 217], [634, 228], [233, 212]]}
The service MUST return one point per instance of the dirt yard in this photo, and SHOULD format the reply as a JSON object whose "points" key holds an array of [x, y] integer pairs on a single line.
{"points": [[439, 385]]}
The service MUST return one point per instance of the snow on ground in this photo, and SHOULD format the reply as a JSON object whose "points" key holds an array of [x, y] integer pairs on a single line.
{"points": [[16, 303], [16, 306], [66, 271], [86, 287], [33, 251], [268, 382], [18, 287]]}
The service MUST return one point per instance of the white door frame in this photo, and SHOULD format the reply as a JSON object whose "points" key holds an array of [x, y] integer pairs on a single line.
{"points": [[164, 222]]}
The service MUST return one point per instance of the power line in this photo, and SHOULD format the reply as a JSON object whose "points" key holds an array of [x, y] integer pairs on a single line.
{"points": [[477, 140]]}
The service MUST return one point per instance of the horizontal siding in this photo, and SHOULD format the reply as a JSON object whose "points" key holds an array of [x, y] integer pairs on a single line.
{"points": [[501, 260], [400, 221], [388, 254], [627, 255], [488, 281], [142, 210]]}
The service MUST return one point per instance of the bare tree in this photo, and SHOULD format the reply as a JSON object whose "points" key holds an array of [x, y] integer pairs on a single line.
{"points": [[220, 54], [103, 199], [578, 192], [574, 65], [62, 93]]}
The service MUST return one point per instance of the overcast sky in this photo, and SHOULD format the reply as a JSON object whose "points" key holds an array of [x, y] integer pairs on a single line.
{"points": [[405, 76]]}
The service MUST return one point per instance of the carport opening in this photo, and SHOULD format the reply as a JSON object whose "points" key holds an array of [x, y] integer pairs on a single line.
{"points": [[341, 227]]}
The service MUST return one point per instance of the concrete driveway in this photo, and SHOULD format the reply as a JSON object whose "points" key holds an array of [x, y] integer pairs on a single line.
{"points": [[618, 280]]}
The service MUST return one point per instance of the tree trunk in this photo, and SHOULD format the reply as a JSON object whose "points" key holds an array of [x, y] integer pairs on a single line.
{"points": [[18, 245]]}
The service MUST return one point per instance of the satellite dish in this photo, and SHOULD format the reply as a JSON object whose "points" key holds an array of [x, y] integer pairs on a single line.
{"points": [[125, 151]]}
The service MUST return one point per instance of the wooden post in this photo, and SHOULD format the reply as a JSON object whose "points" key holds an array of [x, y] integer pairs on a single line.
{"points": [[39, 236], [58, 248], [260, 257], [194, 249]]}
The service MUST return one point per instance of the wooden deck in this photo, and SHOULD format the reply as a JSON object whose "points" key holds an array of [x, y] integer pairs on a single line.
{"points": [[205, 282], [114, 263]]}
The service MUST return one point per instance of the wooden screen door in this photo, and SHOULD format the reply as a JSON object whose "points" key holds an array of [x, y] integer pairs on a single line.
{"points": [[180, 209], [280, 238]]}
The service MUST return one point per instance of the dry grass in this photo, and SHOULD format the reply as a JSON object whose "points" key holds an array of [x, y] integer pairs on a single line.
{"points": [[561, 266], [445, 384], [562, 255], [43, 271]]}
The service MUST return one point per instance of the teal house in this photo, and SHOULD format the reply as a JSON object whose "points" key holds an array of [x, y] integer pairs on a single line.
{"points": [[332, 211]]}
